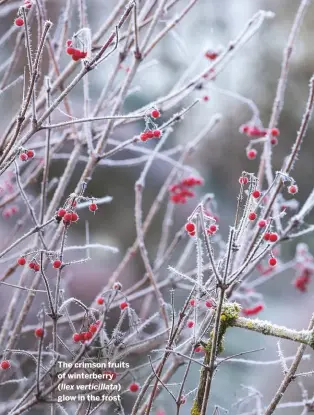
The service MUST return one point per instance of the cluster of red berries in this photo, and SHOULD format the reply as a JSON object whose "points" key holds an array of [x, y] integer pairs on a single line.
{"points": [[181, 191], [243, 180], [253, 131], [67, 216], [84, 336], [253, 310], [149, 134], [26, 155], [302, 281], [76, 54], [270, 236], [5, 364], [9, 211], [32, 265]]}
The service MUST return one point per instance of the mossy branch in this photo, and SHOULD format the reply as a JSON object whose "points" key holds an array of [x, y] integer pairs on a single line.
{"points": [[230, 312], [270, 329], [230, 318]]}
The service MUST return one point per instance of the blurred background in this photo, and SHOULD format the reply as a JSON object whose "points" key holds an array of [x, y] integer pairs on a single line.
{"points": [[252, 73]]}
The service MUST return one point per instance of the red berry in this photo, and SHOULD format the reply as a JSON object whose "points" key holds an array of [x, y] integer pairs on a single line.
{"points": [[192, 302], [27, 4], [67, 218], [190, 227], [69, 42], [190, 324], [273, 237], [88, 335], [262, 223], [256, 194], [211, 55], [100, 301], [93, 207], [273, 141], [198, 349], [5, 364], [74, 217], [243, 180], [83, 54], [244, 128], [61, 213], [19, 22], [76, 337], [275, 132], [39, 332], [251, 154], [208, 304], [30, 153], [272, 262], [36, 267], [144, 137], [212, 229], [252, 216], [23, 157], [293, 189], [77, 53], [21, 261], [75, 58], [70, 50], [134, 387], [266, 236], [205, 98], [124, 305], [93, 328], [157, 133], [155, 114], [57, 263], [150, 134]]}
